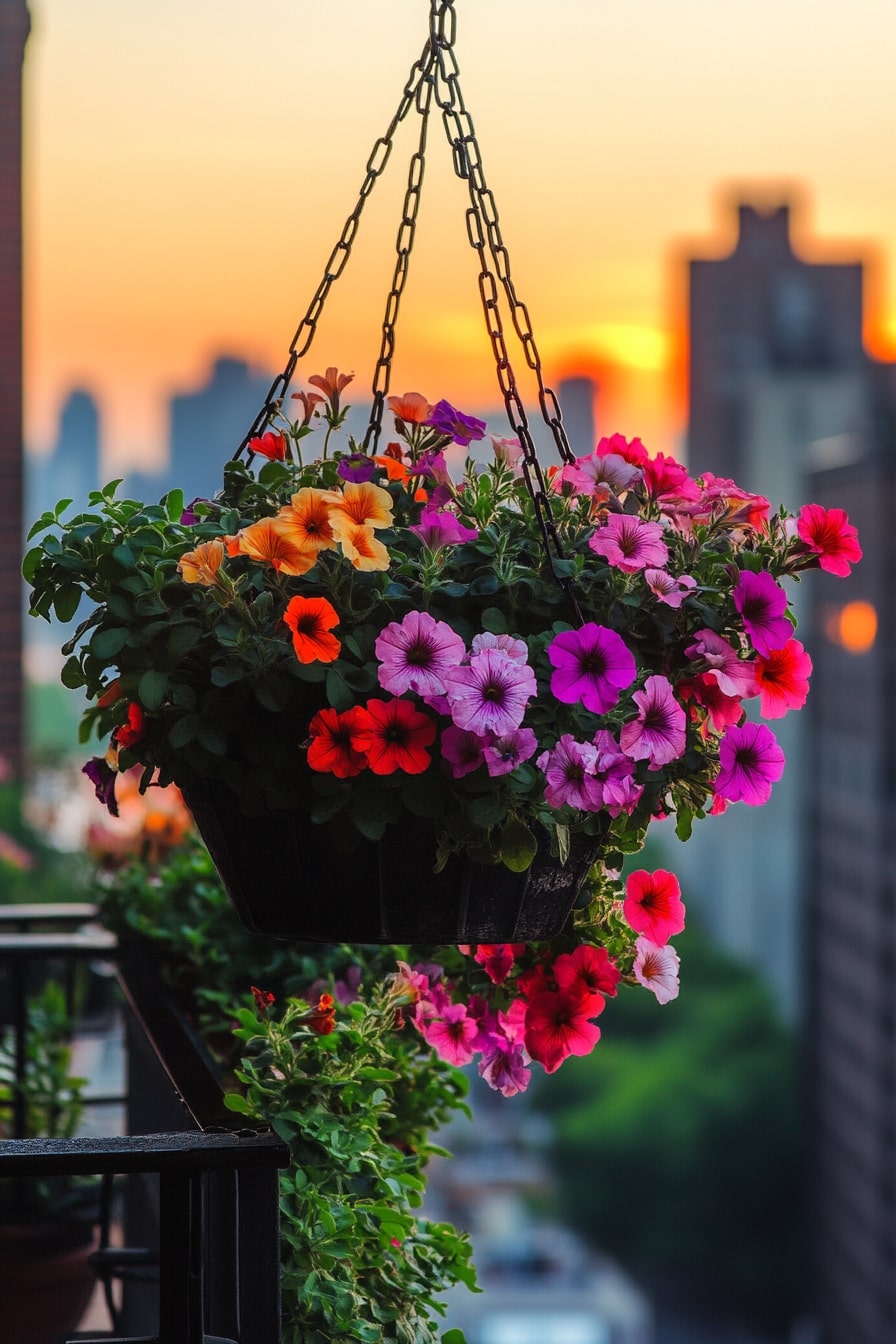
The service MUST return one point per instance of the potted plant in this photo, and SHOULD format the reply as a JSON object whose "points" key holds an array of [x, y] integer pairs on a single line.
{"points": [[396, 713], [47, 1226]]}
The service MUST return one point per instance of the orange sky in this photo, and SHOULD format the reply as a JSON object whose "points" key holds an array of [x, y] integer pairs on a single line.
{"points": [[189, 165]]}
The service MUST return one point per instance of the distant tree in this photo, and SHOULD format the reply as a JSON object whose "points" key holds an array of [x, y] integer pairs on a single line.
{"points": [[678, 1144]]}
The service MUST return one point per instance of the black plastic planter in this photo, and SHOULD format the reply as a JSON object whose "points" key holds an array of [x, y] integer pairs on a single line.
{"points": [[291, 879]]}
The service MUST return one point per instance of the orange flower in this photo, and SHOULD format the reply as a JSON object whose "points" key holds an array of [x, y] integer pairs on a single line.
{"points": [[309, 400], [331, 384], [306, 521], [272, 445], [311, 619], [202, 565], [322, 1019], [266, 541], [395, 468], [359, 544], [361, 504], [412, 408], [110, 694]]}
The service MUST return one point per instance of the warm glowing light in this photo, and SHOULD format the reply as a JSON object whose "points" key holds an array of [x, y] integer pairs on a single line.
{"points": [[624, 343], [853, 627]]}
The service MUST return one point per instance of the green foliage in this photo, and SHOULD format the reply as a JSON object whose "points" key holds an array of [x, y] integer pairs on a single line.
{"points": [[678, 1140], [30, 871]]}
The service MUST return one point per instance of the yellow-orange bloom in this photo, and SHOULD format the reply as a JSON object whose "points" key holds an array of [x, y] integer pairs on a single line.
{"points": [[202, 565], [306, 520], [267, 542], [360, 546], [361, 504]]}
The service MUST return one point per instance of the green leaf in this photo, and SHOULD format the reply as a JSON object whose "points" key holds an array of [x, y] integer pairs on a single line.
{"points": [[339, 693], [518, 846], [454, 1337], [72, 676], [182, 639], [174, 504], [152, 688], [31, 562], [66, 601], [684, 823], [235, 1101], [106, 643], [494, 620], [184, 731], [124, 555], [214, 739]]}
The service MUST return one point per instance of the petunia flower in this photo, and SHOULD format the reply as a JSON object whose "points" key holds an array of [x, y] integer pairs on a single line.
{"points": [[653, 904], [416, 653], [720, 661], [829, 534], [412, 408], [762, 603], [569, 773], [783, 680], [559, 1024], [102, 777], [490, 693], [629, 544], [451, 1035], [202, 564], [593, 664], [129, 734], [441, 527], [331, 749], [598, 474], [305, 520], [310, 401], [462, 750], [750, 762], [588, 969], [331, 383], [497, 959], [659, 734], [514, 648], [505, 753], [269, 542], [615, 772], [394, 735], [356, 467], [722, 711], [362, 548], [271, 445], [359, 504], [463, 429], [508, 452], [504, 1067], [667, 588], [311, 619], [657, 969]]}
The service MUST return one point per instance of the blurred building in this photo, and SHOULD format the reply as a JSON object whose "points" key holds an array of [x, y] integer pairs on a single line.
{"points": [[779, 386], [14, 29], [577, 397], [72, 469]]}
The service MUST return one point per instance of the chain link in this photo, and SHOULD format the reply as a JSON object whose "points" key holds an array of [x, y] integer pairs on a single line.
{"points": [[305, 332]]}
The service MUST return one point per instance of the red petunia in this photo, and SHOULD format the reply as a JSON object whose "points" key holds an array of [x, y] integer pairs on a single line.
{"points": [[394, 735], [496, 959], [270, 445], [783, 679], [653, 905], [587, 970], [829, 533], [332, 748], [558, 1024], [129, 734]]}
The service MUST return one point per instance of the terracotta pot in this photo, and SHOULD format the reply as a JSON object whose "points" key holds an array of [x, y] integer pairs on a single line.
{"points": [[45, 1280], [291, 879]]}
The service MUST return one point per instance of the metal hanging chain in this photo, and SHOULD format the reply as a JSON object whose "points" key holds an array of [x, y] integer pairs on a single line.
{"points": [[468, 165], [403, 244], [379, 156]]}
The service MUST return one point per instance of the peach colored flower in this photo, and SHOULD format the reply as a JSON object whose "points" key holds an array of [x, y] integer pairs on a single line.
{"points": [[360, 546], [201, 565], [361, 504], [331, 384], [310, 401], [266, 541], [412, 408], [306, 520]]}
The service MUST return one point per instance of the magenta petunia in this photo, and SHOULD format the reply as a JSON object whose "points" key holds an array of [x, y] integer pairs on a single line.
{"points": [[629, 544], [462, 750], [750, 761], [653, 904], [490, 693], [569, 771], [830, 535], [592, 665], [504, 1068], [659, 734], [616, 774], [441, 527], [734, 675], [416, 653], [451, 1035], [503, 754], [462, 428], [762, 603]]}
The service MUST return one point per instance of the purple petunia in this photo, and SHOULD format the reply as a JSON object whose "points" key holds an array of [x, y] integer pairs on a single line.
{"points": [[659, 734], [462, 428], [490, 693], [416, 653], [357, 467], [461, 750], [569, 772], [750, 762], [762, 604], [503, 754], [441, 527], [593, 664], [102, 777]]}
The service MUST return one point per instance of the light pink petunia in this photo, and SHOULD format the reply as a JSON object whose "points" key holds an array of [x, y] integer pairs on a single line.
{"points": [[514, 648], [659, 734], [503, 754], [657, 969], [630, 544], [503, 1066], [592, 665], [667, 588], [653, 904], [415, 653], [750, 761], [490, 693], [597, 474], [762, 603], [735, 676]]}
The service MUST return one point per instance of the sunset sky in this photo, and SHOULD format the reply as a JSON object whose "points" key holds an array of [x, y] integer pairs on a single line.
{"points": [[189, 164]]}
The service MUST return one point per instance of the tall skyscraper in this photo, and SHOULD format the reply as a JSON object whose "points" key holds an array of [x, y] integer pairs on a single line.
{"points": [[14, 29], [577, 397]]}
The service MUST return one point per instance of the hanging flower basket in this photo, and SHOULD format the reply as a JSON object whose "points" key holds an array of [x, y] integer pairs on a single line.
{"points": [[413, 692]]}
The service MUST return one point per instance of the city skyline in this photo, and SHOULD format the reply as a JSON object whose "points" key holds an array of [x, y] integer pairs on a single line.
{"points": [[185, 181]]}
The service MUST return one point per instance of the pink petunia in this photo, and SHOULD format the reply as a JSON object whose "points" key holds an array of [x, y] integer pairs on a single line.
{"points": [[666, 478], [735, 676], [587, 969], [659, 734], [451, 1035], [490, 693], [653, 905], [750, 762], [497, 959], [504, 1068], [615, 773], [504, 754], [569, 772], [830, 535], [415, 653], [559, 1024], [668, 589], [630, 544], [592, 665], [462, 750], [597, 474], [762, 603], [509, 644], [783, 680], [657, 969], [441, 527]]}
